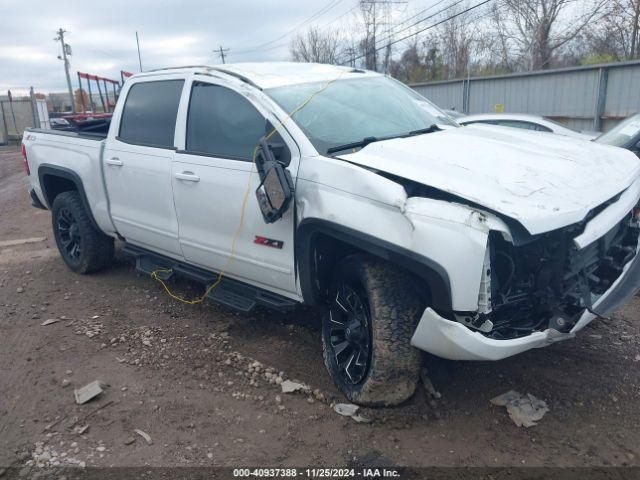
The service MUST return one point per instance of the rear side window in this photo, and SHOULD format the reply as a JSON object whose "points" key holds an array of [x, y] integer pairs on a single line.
{"points": [[222, 123], [149, 114], [517, 124]]}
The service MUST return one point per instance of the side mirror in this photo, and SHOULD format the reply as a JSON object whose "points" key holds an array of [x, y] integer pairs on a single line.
{"points": [[278, 146], [276, 185]]}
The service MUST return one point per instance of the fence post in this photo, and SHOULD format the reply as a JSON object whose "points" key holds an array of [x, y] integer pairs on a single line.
{"points": [[601, 98], [4, 123], [465, 88], [34, 108]]}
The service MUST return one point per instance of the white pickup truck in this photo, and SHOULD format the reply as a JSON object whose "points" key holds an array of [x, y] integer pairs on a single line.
{"points": [[413, 233]]}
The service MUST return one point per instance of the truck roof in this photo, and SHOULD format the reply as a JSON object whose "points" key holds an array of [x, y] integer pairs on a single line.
{"points": [[273, 74]]}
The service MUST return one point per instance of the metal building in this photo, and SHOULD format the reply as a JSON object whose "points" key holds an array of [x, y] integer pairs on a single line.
{"points": [[594, 97]]}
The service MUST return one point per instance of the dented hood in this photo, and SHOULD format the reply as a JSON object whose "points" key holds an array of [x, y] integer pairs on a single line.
{"points": [[543, 181]]}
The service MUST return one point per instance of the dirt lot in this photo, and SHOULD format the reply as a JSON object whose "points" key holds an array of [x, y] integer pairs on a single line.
{"points": [[184, 375]]}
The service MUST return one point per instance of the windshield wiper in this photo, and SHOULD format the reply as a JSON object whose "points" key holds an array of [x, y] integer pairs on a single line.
{"points": [[367, 140], [359, 144], [429, 129]]}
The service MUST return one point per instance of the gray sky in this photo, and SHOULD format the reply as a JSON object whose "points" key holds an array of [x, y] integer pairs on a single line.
{"points": [[102, 35]]}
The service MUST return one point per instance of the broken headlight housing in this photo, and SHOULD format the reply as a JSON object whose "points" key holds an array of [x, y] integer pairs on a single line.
{"points": [[545, 281]]}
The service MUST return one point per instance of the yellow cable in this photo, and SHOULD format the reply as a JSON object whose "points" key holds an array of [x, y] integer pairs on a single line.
{"points": [[236, 234]]}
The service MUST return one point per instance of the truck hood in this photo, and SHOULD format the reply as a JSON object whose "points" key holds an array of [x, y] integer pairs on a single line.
{"points": [[543, 181]]}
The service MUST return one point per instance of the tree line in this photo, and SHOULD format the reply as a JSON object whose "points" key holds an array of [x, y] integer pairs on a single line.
{"points": [[459, 38]]}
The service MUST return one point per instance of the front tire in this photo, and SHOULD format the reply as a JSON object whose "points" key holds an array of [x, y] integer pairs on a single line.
{"points": [[83, 248], [366, 332]]}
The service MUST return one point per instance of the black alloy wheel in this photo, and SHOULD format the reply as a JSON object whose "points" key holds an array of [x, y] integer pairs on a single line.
{"points": [[69, 235], [350, 333]]}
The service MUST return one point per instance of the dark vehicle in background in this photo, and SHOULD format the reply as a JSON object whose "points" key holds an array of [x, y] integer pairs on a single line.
{"points": [[84, 123], [625, 135]]}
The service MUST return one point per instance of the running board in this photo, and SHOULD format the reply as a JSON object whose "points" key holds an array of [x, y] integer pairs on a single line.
{"points": [[232, 293]]}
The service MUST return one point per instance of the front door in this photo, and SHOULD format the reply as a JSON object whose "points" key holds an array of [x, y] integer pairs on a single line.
{"points": [[137, 166], [214, 180]]}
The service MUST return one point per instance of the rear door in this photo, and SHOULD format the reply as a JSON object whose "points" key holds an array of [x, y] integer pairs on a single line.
{"points": [[214, 180], [137, 165]]}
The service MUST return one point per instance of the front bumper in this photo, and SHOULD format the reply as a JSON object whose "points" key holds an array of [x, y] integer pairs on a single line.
{"points": [[454, 341]]}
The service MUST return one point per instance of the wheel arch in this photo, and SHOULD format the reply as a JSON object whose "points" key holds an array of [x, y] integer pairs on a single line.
{"points": [[55, 180], [320, 244]]}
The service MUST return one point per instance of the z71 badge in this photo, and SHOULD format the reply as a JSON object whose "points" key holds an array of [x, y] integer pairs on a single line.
{"points": [[268, 242]]}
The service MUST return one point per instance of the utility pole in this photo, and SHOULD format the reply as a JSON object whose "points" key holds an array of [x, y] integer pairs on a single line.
{"points": [[66, 50], [139, 56], [372, 20], [221, 53]]}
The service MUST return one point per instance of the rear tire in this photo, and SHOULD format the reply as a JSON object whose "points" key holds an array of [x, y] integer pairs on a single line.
{"points": [[82, 246], [366, 332]]}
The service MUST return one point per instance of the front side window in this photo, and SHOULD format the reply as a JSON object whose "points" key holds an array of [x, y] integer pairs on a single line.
{"points": [[149, 114], [222, 123], [351, 110]]}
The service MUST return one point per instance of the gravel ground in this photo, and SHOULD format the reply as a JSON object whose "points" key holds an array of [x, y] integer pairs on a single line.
{"points": [[203, 381]]}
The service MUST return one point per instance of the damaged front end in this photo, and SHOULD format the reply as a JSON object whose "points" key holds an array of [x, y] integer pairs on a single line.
{"points": [[546, 281]]}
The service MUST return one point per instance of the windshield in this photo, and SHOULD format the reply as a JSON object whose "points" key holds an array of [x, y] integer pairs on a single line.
{"points": [[351, 110], [621, 134]]}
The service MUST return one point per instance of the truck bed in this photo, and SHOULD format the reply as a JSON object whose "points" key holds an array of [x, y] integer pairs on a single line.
{"points": [[75, 157], [85, 135]]}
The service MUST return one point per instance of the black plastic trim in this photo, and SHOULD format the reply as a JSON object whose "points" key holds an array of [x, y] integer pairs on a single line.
{"points": [[62, 172], [214, 155], [35, 201], [430, 271], [150, 145], [624, 290]]}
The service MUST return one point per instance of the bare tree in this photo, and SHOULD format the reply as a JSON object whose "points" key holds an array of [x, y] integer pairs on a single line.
{"points": [[458, 38], [540, 29], [315, 45], [497, 43], [617, 35], [367, 43]]}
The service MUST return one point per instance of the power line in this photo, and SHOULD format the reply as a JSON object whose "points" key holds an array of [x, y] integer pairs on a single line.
{"points": [[451, 17], [317, 14], [429, 17], [285, 43], [417, 14]]}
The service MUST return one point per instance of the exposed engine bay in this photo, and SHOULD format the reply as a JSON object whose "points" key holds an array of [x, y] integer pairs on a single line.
{"points": [[541, 281], [547, 282]]}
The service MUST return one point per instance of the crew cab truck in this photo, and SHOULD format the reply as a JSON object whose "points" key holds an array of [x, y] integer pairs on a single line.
{"points": [[287, 183]]}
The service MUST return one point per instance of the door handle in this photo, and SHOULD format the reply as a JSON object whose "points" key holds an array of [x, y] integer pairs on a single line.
{"points": [[187, 177], [116, 162]]}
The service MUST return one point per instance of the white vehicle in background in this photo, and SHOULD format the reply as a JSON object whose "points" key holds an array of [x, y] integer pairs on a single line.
{"points": [[410, 232], [525, 122], [624, 135]]}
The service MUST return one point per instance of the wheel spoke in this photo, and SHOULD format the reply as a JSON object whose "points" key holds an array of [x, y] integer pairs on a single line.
{"points": [[349, 362], [341, 347], [359, 362], [336, 323], [338, 302]]}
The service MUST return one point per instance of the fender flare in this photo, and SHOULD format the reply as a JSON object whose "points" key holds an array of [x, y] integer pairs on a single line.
{"points": [[46, 169], [427, 269]]}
